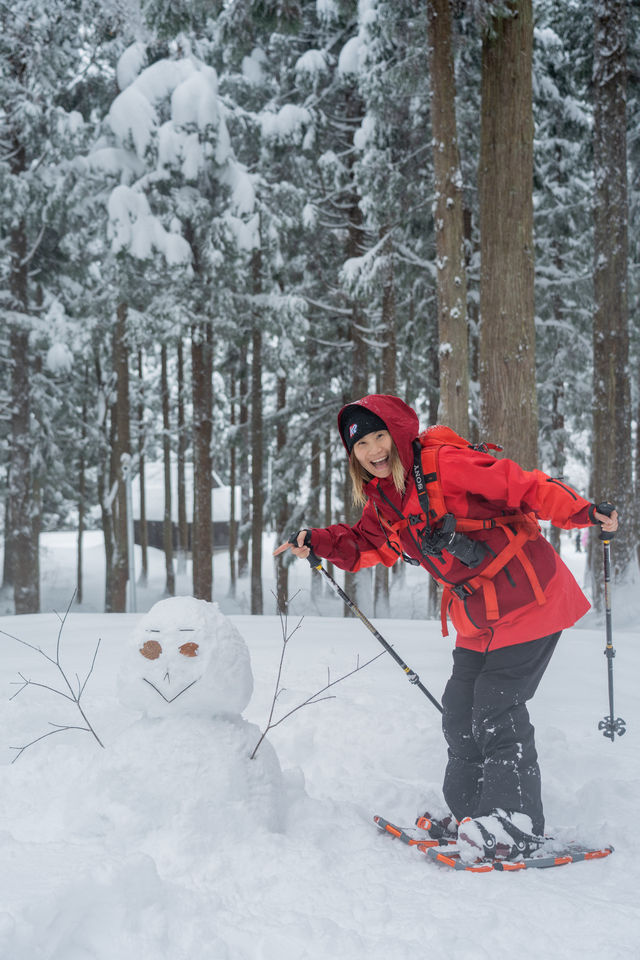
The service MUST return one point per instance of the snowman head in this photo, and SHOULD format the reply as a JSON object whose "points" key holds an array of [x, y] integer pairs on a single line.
{"points": [[185, 657]]}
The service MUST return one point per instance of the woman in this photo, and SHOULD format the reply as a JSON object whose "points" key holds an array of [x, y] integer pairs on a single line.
{"points": [[471, 521]]}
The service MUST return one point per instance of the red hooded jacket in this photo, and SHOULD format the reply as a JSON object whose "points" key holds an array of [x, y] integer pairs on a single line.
{"points": [[474, 485]]}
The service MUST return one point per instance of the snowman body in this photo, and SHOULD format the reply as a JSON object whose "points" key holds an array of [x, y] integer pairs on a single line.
{"points": [[179, 781]]}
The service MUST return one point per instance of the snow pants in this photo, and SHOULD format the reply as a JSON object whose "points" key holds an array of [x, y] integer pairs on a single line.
{"points": [[492, 755]]}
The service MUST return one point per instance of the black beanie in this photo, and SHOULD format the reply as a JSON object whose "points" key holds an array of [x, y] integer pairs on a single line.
{"points": [[357, 422]]}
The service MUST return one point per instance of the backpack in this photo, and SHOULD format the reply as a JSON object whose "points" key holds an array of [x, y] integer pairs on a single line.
{"points": [[433, 517]]}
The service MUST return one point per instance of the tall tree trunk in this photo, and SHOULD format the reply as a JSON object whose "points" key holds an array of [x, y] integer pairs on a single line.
{"points": [[449, 223], [557, 428], [7, 563], [105, 479], [233, 520], [282, 505], [167, 525], [244, 471], [257, 449], [509, 413], [183, 524], [557, 409], [23, 549], [637, 470], [82, 489], [388, 383], [472, 253], [144, 530], [122, 448], [612, 451], [354, 247], [328, 490], [202, 531]]}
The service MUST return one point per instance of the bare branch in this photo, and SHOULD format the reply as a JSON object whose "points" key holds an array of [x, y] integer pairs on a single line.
{"points": [[72, 695], [30, 645], [60, 728], [43, 686], [93, 663], [315, 697]]}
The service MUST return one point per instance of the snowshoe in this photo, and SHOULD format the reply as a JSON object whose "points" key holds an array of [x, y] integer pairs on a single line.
{"points": [[499, 836], [441, 829]]}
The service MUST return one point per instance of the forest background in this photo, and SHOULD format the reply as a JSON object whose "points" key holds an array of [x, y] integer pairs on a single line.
{"points": [[222, 220]]}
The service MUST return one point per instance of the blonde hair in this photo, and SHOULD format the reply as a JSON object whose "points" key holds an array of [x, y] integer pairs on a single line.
{"points": [[360, 476]]}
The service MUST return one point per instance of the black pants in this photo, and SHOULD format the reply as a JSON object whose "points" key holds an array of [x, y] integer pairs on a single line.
{"points": [[492, 755]]}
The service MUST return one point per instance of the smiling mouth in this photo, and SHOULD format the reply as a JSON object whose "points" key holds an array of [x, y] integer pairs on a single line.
{"points": [[380, 463]]}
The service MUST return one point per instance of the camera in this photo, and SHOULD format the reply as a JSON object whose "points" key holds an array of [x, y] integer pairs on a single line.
{"points": [[463, 548]]}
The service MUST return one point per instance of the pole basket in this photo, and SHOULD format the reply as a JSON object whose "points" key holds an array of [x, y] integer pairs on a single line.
{"points": [[610, 727]]}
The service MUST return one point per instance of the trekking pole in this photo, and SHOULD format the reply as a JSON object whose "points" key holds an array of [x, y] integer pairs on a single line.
{"points": [[412, 677], [608, 725]]}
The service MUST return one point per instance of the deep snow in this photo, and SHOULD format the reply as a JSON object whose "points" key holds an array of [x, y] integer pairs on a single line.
{"points": [[135, 851]]}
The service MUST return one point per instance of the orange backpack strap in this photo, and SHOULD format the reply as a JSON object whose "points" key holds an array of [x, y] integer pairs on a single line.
{"points": [[529, 530]]}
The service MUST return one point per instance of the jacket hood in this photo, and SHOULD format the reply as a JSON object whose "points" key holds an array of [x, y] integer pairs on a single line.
{"points": [[402, 422]]}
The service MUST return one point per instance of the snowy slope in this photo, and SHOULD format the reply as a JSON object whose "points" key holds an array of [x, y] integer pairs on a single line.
{"points": [[120, 853]]}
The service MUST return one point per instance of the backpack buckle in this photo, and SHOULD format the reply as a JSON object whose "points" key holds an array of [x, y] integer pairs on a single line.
{"points": [[462, 590]]}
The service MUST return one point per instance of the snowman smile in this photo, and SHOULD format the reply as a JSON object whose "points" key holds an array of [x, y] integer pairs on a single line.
{"points": [[170, 699]]}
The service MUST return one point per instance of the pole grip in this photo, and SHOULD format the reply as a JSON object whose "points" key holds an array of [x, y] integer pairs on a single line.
{"points": [[607, 509], [314, 561]]}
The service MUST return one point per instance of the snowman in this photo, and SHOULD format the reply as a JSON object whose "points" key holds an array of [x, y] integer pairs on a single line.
{"points": [[179, 781]]}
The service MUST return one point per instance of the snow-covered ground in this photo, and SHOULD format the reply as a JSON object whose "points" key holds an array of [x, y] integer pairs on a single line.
{"points": [[158, 846]]}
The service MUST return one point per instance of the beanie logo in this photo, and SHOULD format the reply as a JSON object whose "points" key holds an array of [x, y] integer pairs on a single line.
{"points": [[353, 429]]}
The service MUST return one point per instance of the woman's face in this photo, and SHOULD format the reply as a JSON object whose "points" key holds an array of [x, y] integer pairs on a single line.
{"points": [[373, 452]]}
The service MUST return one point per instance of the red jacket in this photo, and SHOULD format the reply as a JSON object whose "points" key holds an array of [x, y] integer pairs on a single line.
{"points": [[478, 486]]}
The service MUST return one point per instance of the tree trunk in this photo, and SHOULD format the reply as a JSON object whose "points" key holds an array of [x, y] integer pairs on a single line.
{"points": [[105, 479], [183, 525], [558, 456], [167, 525], [257, 451], [612, 452], [7, 563], [245, 472], [328, 490], [233, 520], [23, 549], [122, 448], [449, 223], [201, 531], [507, 333], [144, 532], [354, 247], [282, 505], [472, 253], [82, 490], [557, 429], [388, 383], [390, 349]]}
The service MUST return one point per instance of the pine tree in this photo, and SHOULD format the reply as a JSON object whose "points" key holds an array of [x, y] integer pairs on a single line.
{"points": [[612, 455], [44, 55]]}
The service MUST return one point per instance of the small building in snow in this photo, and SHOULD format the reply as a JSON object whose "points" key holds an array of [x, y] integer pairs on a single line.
{"points": [[154, 506]]}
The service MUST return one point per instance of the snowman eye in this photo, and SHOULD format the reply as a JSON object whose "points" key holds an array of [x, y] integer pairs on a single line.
{"points": [[189, 649], [151, 649]]}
